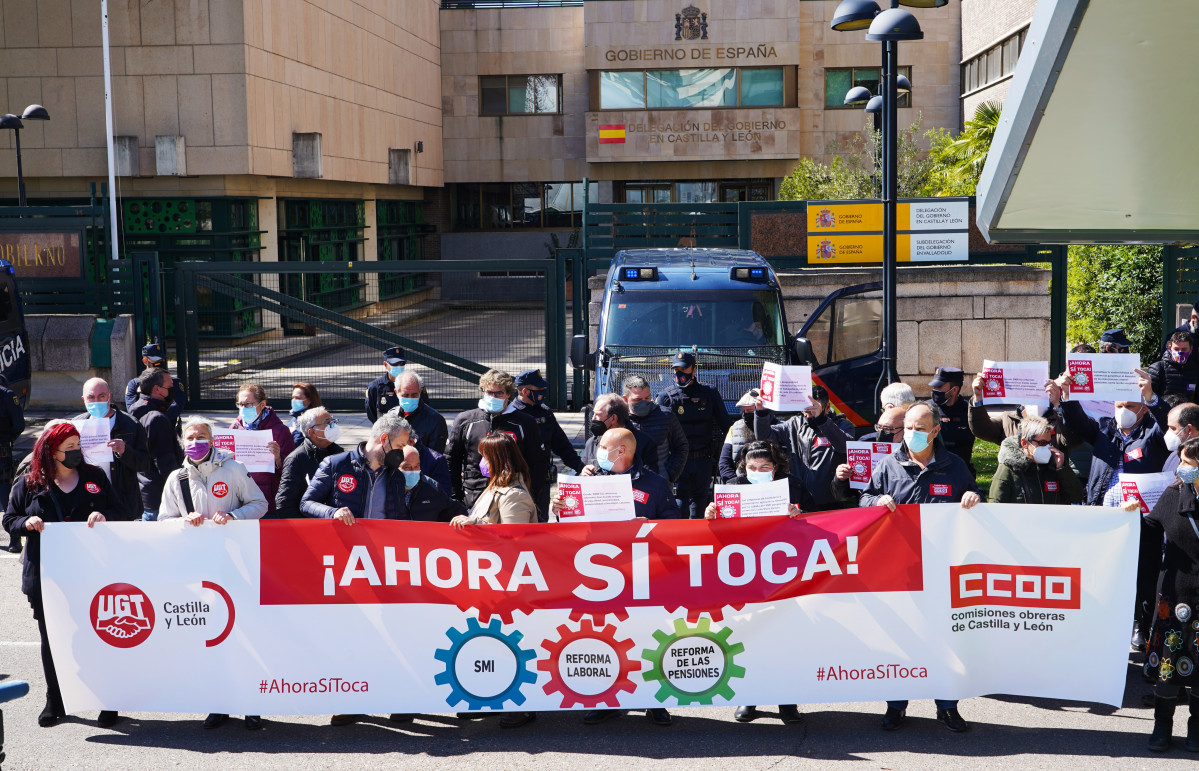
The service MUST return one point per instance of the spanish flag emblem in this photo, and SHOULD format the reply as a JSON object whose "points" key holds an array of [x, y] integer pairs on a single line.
{"points": [[611, 134]]}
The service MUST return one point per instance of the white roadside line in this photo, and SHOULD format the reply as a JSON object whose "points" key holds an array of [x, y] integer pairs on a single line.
{"points": [[9, 556], [10, 644]]}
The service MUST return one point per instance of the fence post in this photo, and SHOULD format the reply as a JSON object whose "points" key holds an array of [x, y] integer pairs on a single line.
{"points": [[555, 321], [1169, 286]]}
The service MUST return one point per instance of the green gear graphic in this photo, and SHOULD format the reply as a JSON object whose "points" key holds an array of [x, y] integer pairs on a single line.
{"points": [[703, 628]]}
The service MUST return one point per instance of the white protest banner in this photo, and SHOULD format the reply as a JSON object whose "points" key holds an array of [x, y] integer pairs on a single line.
{"points": [[1104, 376], [1014, 382], [1145, 488], [249, 447], [786, 388], [93, 440], [606, 498], [862, 458], [761, 500], [924, 602]]}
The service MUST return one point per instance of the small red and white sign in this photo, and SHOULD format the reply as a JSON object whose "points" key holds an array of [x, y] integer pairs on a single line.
{"points": [[220, 489], [92, 488], [347, 483], [992, 383], [936, 489], [640, 496], [1050, 486], [822, 441], [728, 505], [862, 458]]}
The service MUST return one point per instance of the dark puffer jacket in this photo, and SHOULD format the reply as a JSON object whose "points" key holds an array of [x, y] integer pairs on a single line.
{"points": [[1170, 378], [1019, 480]]}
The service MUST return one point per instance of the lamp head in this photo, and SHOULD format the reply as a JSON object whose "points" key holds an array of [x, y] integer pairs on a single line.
{"points": [[874, 105], [35, 112], [924, 3], [857, 96], [903, 85], [854, 14], [894, 25], [10, 121]]}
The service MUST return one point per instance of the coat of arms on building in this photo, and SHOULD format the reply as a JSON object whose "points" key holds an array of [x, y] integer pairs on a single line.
{"points": [[691, 24]]}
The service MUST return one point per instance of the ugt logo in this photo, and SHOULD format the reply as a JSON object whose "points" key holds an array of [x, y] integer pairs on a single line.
{"points": [[122, 615]]}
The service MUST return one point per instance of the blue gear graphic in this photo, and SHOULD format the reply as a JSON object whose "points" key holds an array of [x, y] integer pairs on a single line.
{"points": [[459, 638]]}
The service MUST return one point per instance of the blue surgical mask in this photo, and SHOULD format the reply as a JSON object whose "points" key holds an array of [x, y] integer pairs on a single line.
{"points": [[917, 441], [297, 405], [97, 409], [491, 404], [396, 371], [409, 405], [1188, 474], [758, 477], [601, 458], [411, 478], [247, 414]]}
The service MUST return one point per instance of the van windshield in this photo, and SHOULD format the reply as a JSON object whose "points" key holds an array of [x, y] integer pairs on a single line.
{"points": [[708, 319]]}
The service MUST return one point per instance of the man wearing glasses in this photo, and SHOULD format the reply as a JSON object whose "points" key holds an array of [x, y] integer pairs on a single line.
{"points": [[321, 432]]}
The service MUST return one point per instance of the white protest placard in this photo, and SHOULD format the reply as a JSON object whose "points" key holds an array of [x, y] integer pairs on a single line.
{"points": [[249, 447], [93, 440], [862, 457], [786, 388], [761, 500], [1098, 410], [1014, 382], [1145, 488], [596, 499], [1104, 376]]}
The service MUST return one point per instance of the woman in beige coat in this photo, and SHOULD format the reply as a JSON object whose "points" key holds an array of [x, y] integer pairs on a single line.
{"points": [[506, 499]]}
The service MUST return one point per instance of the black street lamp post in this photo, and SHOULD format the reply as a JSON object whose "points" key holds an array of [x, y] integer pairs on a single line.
{"points": [[10, 121], [888, 27]]}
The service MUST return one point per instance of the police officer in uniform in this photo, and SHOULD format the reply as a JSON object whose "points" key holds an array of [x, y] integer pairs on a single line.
{"points": [[381, 393], [153, 356], [955, 413], [12, 423], [701, 411], [530, 401]]}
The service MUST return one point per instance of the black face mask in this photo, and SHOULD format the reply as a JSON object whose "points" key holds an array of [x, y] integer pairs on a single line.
{"points": [[598, 427], [73, 458], [748, 417], [886, 436], [393, 457], [684, 379], [940, 397]]}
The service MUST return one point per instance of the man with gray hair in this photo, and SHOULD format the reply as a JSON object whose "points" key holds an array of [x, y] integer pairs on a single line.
{"points": [[321, 432], [896, 395], [425, 420], [659, 424], [364, 483], [126, 440]]}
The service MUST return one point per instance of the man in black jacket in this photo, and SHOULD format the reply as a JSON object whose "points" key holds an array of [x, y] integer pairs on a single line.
{"points": [[166, 455], [126, 439], [320, 432], [1176, 373], [705, 420], [154, 357], [610, 412], [815, 440], [426, 421], [660, 424], [530, 400], [467, 475]]}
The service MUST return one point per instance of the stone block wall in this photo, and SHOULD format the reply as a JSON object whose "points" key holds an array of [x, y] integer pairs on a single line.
{"points": [[60, 353]]}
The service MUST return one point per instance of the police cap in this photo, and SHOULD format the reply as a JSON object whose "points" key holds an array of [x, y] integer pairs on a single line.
{"points": [[395, 356], [683, 360], [531, 378], [153, 352], [1116, 337], [951, 375]]}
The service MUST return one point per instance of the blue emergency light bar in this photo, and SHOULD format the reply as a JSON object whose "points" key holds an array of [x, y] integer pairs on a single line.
{"points": [[639, 274], [750, 274]]}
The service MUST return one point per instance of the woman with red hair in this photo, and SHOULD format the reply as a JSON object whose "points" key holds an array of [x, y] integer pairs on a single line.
{"points": [[59, 487]]}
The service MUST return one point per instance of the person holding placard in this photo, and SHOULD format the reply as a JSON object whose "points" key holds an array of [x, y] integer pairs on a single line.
{"points": [[616, 453], [919, 472], [1176, 373], [254, 414], [127, 443], [59, 487], [1032, 469], [701, 412], [815, 440], [739, 434], [1133, 441], [1174, 618], [154, 385], [889, 430]]}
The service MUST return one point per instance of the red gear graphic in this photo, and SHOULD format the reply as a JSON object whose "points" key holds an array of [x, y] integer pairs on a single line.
{"points": [[599, 617], [607, 635], [716, 614], [486, 612]]}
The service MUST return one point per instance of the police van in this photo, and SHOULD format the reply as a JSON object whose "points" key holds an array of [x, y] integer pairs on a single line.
{"points": [[726, 306], [14, 339]]}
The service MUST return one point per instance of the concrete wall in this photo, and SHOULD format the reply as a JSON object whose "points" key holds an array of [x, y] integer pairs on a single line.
{"points": [[60, 352], [947, 317]]}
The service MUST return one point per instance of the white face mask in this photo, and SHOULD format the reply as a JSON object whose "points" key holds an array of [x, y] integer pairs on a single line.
{"points": [[332, 432], [1173, 441], [1126, 418], [1042, 455]]}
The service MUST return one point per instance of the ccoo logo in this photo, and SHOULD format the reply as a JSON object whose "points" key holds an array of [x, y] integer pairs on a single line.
{"points": [[122, 615]]}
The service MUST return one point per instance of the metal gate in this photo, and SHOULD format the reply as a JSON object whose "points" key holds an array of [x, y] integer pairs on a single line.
{"points": [[238, 323]]}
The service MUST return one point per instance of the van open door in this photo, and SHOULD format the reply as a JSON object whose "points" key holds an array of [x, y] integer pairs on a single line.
{"points": [[842, 341], [14, 340]]}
